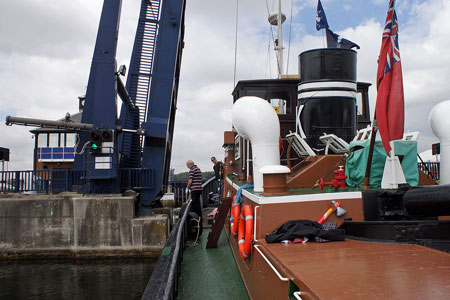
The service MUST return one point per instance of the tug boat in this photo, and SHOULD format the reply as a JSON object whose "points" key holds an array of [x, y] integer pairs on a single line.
{"points": [[303, 217], [307, 220], [397, 239]]}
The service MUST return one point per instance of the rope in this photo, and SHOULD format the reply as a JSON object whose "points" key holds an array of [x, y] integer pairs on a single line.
{"points": [[239, 193], [195, 243]]}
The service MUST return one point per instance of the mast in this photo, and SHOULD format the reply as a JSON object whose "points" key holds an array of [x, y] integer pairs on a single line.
{"points": [[277, 19], [280, 41]]}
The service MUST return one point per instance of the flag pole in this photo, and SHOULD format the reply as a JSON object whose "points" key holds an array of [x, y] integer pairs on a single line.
{"points": [[384, 95], [371, 148], [324, 37]]}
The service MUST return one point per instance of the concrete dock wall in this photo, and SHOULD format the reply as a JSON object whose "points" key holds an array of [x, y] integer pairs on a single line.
{"points": [[77, 225]]}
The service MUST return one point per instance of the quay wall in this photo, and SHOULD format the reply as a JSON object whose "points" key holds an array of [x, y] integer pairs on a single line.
{"points": [[70, 224]]}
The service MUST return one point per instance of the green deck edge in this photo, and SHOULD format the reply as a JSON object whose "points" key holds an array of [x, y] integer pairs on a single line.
{"points": [[210, 273]]}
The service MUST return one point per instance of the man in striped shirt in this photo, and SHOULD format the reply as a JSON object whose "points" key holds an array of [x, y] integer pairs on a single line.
{"points": [[195, 185]]}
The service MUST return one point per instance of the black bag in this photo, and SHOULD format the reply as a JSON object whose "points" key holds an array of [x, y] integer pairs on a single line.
{"points": [[304, 228]]}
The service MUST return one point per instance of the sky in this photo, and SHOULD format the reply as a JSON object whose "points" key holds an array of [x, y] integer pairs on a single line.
{"points": [[46, 50]]}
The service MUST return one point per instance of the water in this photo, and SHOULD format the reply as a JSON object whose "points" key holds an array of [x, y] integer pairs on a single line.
{"points": [[86, 279]]}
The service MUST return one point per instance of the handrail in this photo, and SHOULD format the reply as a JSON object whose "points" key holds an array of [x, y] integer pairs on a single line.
{"points": [[270, 264], [254, 225], [161, 285], [173, 265], [208, 181], [208, 186], [61, 180], [179, 189], [431, 168]]}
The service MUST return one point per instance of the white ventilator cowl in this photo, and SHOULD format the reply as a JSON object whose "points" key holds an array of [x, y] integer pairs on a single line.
{"points": [[440, 124], [256, 120]]}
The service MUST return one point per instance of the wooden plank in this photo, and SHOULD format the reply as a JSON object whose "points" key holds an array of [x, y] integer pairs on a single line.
{"points": [[219, 221]]}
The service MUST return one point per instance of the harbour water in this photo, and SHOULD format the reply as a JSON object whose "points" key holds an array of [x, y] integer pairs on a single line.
{"points": [[84, 279]]}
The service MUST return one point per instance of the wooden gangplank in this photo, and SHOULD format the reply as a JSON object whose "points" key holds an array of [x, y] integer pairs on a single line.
{"points": [[219, 221]]}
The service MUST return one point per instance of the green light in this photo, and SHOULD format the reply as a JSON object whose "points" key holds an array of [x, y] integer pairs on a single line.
{"points": [[94, 146]]}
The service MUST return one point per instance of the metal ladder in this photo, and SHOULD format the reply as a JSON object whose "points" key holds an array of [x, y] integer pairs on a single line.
{"points": [[139, 81]]}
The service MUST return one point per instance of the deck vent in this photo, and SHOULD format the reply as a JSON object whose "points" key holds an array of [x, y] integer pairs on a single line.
{"points": [[440, 124], [274, 178], [256, 120]]}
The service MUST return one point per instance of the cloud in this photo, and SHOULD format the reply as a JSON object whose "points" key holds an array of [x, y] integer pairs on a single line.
{"points": [[424, 61], [379, 2], [46, 51], [20, 141]]}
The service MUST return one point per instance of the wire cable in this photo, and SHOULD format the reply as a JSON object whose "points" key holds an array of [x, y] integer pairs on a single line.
{"points": [[269, 67], [76, 145], [236, 43], [256, 55], [82, 149], [290, 31]]}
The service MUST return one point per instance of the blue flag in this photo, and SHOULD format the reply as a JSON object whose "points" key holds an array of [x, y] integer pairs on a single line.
{"points": [[321, 19], [334, 41]]}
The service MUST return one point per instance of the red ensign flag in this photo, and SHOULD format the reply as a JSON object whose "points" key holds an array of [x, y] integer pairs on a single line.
{"points": [[389, 109]]}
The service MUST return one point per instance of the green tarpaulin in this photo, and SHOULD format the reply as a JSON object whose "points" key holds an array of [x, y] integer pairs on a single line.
{"points": [[355, 167]]}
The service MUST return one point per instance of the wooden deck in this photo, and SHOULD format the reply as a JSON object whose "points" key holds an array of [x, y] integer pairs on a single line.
{"points": [[351, 269], [363, 270]]}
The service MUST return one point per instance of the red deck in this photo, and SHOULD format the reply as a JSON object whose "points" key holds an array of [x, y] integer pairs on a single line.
{"points": [[338, 270], [364, 270]]}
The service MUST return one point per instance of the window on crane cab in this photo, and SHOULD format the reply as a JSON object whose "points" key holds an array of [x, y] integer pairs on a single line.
{"points": [[70, 139], [53, 140], [43, 140]]}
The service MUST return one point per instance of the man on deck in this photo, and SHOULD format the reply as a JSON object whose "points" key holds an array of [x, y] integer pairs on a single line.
{"points": [[218, 169], [195, 185]]}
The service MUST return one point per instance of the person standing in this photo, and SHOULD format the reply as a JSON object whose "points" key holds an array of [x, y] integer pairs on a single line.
{"points": [[218, 170], [195, 185]]}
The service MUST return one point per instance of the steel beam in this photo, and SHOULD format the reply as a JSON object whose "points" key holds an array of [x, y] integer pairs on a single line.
{"points": [[100, 107], [10, 120], [163, 98]]}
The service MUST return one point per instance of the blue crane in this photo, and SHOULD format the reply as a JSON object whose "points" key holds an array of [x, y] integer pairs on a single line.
{"points": [[141, 137], [139, 140]]}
